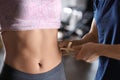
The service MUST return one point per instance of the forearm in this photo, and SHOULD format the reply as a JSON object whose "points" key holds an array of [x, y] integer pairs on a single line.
{"points": [[92, 36], [89, 37], [111, 51]]}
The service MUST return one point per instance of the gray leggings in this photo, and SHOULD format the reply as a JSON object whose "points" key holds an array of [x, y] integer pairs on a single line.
{"points": [[8, 73]]}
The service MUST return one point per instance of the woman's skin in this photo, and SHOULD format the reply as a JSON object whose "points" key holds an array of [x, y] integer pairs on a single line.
{"points": [[32, 51]]}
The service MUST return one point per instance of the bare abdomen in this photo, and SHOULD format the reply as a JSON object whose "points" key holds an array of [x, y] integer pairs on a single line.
{"points": [[33, 51]]}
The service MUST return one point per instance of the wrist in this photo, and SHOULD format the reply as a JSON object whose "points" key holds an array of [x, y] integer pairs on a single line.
{"points": [[99, 48]]}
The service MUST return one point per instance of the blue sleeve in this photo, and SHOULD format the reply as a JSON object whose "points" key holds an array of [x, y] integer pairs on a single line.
{"points": [[94, 7]]}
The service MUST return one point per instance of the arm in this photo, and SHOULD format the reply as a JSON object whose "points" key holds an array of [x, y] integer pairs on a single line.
{"points": [[91, 48], [111, 51], [92, 36], [90, 51]]}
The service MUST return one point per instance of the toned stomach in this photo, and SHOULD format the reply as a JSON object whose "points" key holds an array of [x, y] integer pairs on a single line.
{"points": [[32, 51]]}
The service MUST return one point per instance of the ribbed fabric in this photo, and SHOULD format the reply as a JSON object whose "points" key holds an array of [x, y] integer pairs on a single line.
{"points": [[9, 73], [29, 14]]}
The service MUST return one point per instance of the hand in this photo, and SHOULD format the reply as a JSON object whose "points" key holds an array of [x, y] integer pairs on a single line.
{"points": [[87, 52], [63, 44], [66, 47]]}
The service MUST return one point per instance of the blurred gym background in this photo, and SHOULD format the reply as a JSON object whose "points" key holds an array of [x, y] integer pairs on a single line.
{"points": [[76, 17], [76, 21]]}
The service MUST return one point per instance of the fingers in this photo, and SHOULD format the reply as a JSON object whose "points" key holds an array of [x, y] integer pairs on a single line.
{"points": [[68, 48], [65, 47], [63, 44], [91, 59], [86, 53], [80, 52], [77, 50]]}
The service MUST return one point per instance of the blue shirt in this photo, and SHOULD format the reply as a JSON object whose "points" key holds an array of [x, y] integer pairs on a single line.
{"points": [[107, 16]]}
